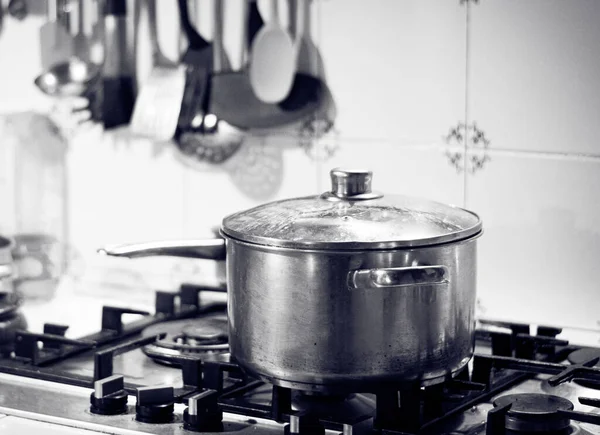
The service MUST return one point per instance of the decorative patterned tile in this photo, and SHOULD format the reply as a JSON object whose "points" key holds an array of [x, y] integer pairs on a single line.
{"points": [[396, 68], [533, 74], [539, 252]]}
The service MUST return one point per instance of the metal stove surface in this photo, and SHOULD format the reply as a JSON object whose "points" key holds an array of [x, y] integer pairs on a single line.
{"points": [[135, 366], [68, 406], [474, 420]]}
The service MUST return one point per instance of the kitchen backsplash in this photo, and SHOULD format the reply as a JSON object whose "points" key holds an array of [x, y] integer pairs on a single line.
{"points": [[489, 104]]}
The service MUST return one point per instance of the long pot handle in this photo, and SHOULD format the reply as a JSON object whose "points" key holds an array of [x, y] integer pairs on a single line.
{"points": [[398, 277], [209, 249]]}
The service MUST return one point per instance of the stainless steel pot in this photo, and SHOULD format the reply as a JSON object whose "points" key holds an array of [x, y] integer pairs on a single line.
{"points": [[350, 290]]}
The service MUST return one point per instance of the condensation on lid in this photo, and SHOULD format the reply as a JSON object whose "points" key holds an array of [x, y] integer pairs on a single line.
{"points": [[317, 223], [352, 216]]}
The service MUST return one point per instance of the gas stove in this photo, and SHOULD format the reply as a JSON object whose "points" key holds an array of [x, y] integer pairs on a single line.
{"points": [[169, 372]]}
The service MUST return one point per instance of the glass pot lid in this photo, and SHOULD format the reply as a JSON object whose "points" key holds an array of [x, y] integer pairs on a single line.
{"points": [[352, 217]]}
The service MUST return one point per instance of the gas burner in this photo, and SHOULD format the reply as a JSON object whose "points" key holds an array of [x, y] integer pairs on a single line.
{"points": [[579, 357], [205, 337], [531, 412], [11, 320], [334, 408], [323, 406]]}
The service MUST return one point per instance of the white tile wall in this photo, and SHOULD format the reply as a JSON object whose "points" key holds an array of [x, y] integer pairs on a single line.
{"points": [[534, 68], [403, 73], [539, 253], [532, 72], [397, 68]]}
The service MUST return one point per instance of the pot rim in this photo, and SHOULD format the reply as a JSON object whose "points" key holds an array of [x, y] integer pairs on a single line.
{"points": [[351, 216], [345, 248]]}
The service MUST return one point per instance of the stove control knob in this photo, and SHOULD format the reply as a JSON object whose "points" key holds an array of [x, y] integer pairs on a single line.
{"points": [[109, 396], [155, 404], [203, 413]]}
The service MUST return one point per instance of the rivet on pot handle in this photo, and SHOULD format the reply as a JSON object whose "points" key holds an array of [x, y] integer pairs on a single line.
{"points": [[395, 277]]}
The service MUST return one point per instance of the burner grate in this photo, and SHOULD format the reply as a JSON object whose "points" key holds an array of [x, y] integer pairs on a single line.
{"points": [[38, 355], [536, 413], [213, 385], [484, 366], [205, 337]]}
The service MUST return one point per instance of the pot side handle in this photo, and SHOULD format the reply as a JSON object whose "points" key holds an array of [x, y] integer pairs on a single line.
{"points": [[209, 249], [6, 271], [397, 277]]}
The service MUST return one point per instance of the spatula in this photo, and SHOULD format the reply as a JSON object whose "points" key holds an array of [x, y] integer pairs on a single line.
{"points": [[158, 104], [56, 45], [198, 61], [309, 63], [208, 138], [307, 83], [97, 36], [81, 45], [198, 107], [309, 60], [272, 61]]}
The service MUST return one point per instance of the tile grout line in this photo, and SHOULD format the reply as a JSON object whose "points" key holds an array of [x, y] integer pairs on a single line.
{"points": [[467, 113], [497, 151], [556, 155], [318, 143], [400, 144]]}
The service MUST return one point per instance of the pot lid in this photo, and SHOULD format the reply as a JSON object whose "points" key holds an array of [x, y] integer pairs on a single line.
{"points": [[352, 216]]}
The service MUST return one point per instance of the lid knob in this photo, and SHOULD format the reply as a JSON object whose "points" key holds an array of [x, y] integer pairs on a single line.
{"points": [[350, 182]]}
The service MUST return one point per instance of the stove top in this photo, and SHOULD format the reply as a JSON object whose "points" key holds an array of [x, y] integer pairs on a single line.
{"points": [[170, 372]]}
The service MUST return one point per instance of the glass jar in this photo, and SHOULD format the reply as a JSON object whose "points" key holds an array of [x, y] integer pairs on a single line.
{"points": [[33, 187]]}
